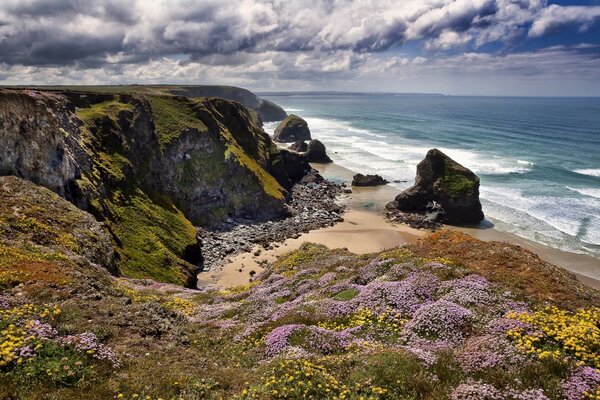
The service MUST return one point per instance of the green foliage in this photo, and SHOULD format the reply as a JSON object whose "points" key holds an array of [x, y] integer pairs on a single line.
{"points": [[153, 237], [392, 375], [54, 364], [110, 108], [266, 180], [455, 183], [346, 295], [172, 116]]}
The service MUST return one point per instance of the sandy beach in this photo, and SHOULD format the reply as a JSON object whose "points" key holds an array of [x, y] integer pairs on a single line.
{"points": [[365, 230]]}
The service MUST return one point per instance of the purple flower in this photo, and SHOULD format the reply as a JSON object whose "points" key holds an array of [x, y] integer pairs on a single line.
{"points": [[41, 330], [476, 391], [88, 342], [441, 320], [489, 351], [277, 340], [584, 380], [327, 278], [26, 352]]}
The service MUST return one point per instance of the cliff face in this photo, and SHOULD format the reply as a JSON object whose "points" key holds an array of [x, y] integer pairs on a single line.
{"points": [[150, 166]]}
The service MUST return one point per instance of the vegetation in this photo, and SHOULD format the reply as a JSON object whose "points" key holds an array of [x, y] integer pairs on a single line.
{"points": [[150, 231], [174, 115], [153, 235], [318, 323], [455, 183]]}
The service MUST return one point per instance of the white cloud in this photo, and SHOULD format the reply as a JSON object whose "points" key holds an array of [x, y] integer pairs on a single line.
{"points": [[555, 16], [304, 44]]}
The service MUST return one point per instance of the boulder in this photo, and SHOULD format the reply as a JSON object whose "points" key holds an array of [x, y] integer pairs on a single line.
{"points": [[368, 180], [300, 146], [316, 152], [291, 129], [444, 182]]}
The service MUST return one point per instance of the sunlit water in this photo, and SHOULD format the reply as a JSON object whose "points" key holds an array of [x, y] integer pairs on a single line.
{"points": [[538, 158]]}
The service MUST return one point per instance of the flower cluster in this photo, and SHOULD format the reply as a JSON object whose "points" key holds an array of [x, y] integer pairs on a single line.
{"points": [[488, 351], [26, 332], [583, 383], [441, 321], [553, 332], [297, 379], [89, 344]]}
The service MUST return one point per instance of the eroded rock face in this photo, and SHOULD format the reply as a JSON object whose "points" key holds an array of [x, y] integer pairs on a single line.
{"points": [[368, 180], [444, 182], [35, 142], [292, 129]]}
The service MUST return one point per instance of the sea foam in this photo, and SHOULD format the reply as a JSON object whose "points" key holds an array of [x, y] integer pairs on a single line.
{"points": [[590, 172]]}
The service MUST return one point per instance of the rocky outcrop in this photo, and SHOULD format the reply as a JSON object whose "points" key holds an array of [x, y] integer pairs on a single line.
{"points": [[35, 143], [266, 110], [292, 129], [300, 146], [443, 188], [368, 180], [269, 111], [150, 166], [316, 152]]}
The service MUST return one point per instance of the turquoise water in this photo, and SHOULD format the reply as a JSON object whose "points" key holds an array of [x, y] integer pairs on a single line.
{"points": [[538, 158]]}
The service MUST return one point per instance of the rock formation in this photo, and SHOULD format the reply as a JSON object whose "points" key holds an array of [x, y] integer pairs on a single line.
{"points": [[368, 180], [292, 129], [150, 166], [444, 187], [314, 151]]}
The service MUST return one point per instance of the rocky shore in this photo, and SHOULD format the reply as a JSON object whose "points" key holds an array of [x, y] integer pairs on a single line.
{"points": [[315, 204]]}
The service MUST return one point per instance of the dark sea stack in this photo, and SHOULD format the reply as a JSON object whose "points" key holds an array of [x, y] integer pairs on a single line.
{"points": [[368, 180], [443, 181], [292, 129], [316, 152], [300, 146]]}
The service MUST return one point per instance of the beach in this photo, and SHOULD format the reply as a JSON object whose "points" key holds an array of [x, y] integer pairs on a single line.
{"points": [[366, 230]]}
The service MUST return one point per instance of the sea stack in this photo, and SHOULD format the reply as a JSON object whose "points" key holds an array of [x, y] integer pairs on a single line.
{"points": [[292, 129], [442, 183]]}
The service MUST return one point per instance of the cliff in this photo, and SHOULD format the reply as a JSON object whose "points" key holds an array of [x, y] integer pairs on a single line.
{"points": [[266, 110], [150, 165]]}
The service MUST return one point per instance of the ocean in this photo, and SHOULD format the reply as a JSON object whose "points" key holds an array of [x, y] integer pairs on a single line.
{"points": [[538, 158]]}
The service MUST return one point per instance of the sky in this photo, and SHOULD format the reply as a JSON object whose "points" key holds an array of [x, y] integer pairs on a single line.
{"points": [[462, 47]]}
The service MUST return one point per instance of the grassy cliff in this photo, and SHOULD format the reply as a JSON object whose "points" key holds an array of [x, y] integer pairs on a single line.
{"points": [[149, 164]]}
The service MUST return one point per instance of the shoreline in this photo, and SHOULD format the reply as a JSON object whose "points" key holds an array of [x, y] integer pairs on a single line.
{"points": [[366, 230]]}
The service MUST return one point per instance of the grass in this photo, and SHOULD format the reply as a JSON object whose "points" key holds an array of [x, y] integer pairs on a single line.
{"points": [[153, 238], [455, 183], [266, 180], [172, 116], [110, 108]]}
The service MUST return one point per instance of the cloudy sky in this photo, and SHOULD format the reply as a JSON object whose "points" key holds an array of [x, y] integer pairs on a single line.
{"points": [[505, 47]]}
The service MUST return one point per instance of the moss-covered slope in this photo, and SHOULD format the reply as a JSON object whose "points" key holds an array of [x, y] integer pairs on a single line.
{"points": [[150, 165]]}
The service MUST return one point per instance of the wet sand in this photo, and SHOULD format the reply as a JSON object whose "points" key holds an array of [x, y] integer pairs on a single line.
{"points": [[365, 230]]}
